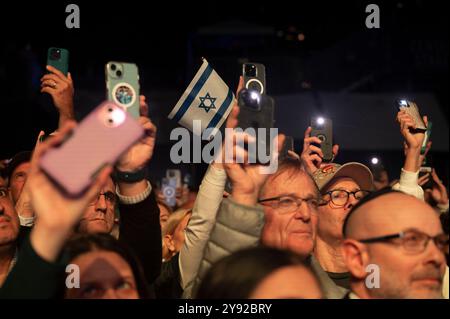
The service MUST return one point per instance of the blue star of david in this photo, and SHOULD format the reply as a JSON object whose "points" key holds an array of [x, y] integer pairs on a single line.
{"points": [[211, 102]]}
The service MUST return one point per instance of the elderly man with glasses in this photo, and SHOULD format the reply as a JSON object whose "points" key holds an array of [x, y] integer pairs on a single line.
{"points": [[394, 248]]}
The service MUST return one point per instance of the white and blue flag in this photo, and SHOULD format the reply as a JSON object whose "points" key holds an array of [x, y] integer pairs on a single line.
{"points": [[207, 99]]}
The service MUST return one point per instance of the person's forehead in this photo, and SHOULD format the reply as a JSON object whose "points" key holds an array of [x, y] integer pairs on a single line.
{"points": [[105, 264], [398, 212], [109, 185], [22, 168], [288, 182]]}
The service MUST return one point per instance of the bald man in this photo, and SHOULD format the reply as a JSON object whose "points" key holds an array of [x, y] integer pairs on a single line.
{"points": [[400, 237]]}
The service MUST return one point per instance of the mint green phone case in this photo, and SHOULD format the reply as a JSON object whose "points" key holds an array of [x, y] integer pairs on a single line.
{"points": [[58, 58], [122, 85]]}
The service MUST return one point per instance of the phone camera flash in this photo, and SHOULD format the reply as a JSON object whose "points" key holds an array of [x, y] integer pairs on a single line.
{"points": [[320, 120], [374, 161]]}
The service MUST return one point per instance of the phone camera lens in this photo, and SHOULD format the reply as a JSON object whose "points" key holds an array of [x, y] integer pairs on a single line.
{"points": [[110, 121], [119, 73], [110, 110], [55, 54], [322, 138], [250, 70], [113, 67]]}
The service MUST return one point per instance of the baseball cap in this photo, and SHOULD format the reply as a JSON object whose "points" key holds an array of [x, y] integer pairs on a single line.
{"points": [[360, 173]]}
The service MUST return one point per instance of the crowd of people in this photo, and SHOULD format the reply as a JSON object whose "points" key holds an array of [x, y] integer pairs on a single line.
{"points": [[312, 229]]}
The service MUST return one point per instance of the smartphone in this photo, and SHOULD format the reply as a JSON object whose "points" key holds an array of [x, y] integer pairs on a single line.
{"points": [[412, 109], [122, 85], [174, 173], [100, 139], [254, 77], [257, 112], [423, 171], [323, 129], [59, 59], [287, 146], [168, 188], [426, 139]]}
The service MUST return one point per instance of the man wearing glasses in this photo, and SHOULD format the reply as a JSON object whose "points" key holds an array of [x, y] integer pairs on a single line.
{"points": [[278, 211], [341, 188], [401, 238]]}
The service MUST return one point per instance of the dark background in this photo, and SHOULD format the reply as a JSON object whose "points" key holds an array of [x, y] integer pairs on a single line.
{"points": [[408, 54]]}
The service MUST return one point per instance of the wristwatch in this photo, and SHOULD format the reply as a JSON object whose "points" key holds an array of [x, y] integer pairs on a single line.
{"points": [[130, 177]]}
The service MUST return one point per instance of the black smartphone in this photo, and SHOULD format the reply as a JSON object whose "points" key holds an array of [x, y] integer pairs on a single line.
{"points": [[287, 146], [257, 112], [426, 139], [323, 129], [254, 77], [426, 168]]}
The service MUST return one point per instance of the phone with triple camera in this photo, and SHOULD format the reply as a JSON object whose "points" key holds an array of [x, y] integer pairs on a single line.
{"points": [[412, 109], [254, 75], [323, 129], [122, 85], [256, 111], [100, 139], [59, 59]]}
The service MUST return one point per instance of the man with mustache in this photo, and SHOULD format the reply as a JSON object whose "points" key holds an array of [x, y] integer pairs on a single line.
{"points": [[401, 237], [9, 231]]}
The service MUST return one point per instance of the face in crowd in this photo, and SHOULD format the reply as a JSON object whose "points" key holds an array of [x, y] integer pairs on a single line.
{"points": [[99, 216], [341, 195], [18, 179], [9, 221], [289, 225], [402, 236]]}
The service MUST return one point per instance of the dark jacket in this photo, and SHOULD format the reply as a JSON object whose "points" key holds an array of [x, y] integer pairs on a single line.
{"points": [[33, 277]]}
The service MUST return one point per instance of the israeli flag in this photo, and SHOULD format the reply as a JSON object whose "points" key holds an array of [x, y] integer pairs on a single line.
{"points": [[207, 99]]}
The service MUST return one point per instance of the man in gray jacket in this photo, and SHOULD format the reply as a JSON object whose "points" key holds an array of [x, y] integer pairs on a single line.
{"points": [[279, 211]]}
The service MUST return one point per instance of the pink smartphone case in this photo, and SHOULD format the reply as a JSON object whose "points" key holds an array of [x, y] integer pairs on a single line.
{"points": [[100, 139]]}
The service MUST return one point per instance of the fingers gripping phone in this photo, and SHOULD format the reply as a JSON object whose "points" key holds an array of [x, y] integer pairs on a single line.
{"points": [[59, 59], [122, 85], [412, 109], [100, 139], [254, 77], [323, 129], [256, 111]]}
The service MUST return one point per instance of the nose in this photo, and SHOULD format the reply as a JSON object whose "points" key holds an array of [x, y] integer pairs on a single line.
{"points": [[110, 294], [352, 201], [303, 212], [100, 205]]}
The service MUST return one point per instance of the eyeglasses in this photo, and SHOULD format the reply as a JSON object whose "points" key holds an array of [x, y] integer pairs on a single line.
{"points": [[289, 204], [412, 240], [110, 197], [340, 197]]}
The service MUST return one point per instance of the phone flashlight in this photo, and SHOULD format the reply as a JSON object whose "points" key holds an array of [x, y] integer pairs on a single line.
{"points": [[375, 160], [320, 120]]}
